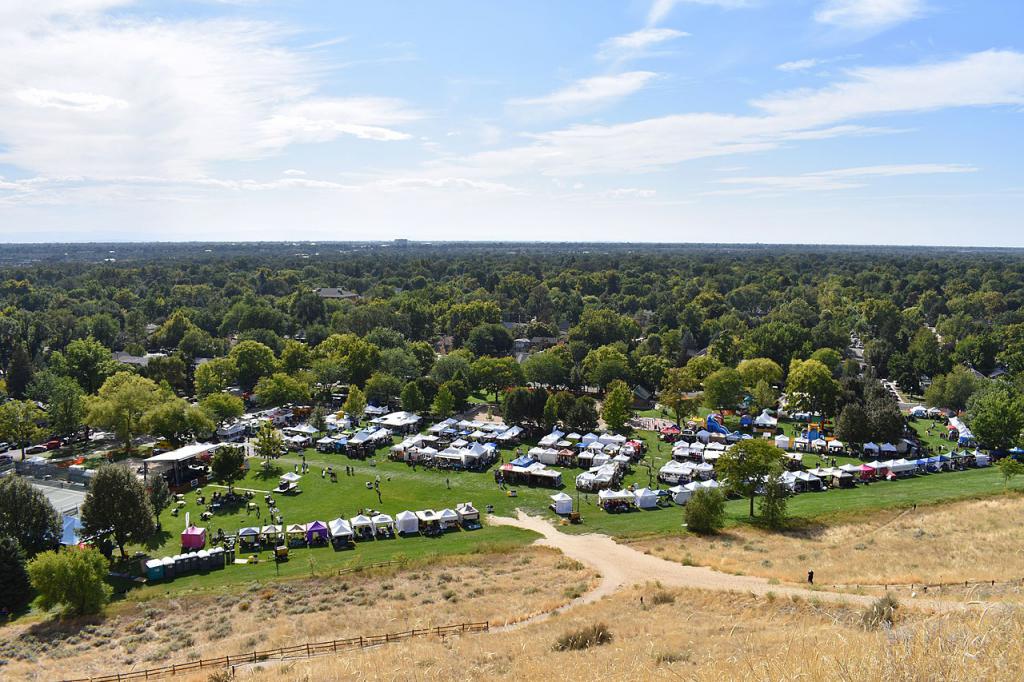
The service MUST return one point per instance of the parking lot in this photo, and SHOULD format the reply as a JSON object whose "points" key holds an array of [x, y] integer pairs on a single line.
{"points": [[62, 499]]}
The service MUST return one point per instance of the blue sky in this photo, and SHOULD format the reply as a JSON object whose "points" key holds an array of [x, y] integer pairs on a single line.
{"points": [[797, 121]]}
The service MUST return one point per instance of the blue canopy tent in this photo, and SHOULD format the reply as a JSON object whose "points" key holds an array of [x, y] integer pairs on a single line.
{"points": [[72, 533], [523, 461]]}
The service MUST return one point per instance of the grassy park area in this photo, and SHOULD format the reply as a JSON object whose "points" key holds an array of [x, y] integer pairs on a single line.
{"points": [[403, 488]]}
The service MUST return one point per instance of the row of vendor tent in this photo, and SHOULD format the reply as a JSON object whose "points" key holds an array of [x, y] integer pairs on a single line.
{"points": [[675, 471], [525, 470], [681, 494], [332, 444], [171, 567], [556, 438], [698, 452], [599, 478], [784, 442], [476, 430], [307, 532], [621, 500], [587, 458], [474, 457]]}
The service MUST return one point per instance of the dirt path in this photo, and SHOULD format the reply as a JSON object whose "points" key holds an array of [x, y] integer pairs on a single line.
{"points": [[620, 566]]}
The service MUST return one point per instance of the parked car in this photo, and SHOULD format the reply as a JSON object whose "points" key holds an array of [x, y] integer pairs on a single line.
{"points": [[35, 450], [4, 447], [53, 444]]}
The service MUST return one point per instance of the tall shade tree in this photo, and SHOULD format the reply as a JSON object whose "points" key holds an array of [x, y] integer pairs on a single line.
{"points": [[74, 579], [444, 403], [996, 416], [19, 423], [19, 372], [121, 404], [756, 370], [176, 421], [159, 497], [27, 516], [548, 368], [497, 374], [355, 404], [953, 390], [223, 406], [383, 388], [616, 407], [88, 362], [215, 375], [117, 503], [723, 389], [677, 392], [412, 398], [65, 405], [280, 388], [604, 365], [852, 427], [14, 582], [268, 443], [253, 361], [744, 467], [228, 465], [810, 387]]}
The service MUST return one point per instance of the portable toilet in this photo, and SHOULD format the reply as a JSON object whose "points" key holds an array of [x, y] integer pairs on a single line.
{"points": [[193, 561], [229, 556], [154, 569], [180, 564], [216, 558], [203, 560], [169, 565]]}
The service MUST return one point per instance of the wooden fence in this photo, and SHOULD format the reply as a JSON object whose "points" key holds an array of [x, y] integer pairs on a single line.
{"points": [[307, 650], [925, 586], [366, 567]]}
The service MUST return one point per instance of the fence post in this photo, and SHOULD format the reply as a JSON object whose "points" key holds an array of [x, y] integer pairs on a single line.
{"points": [[361, 645]]}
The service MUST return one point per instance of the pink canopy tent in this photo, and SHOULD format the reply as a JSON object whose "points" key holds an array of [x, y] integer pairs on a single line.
{"points": [[193, 537], [866, 471]]}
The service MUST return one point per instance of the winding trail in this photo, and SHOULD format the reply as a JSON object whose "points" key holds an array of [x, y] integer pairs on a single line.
{"points": [[621, 566]]}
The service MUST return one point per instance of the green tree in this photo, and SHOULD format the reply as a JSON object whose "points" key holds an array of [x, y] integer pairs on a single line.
{"points": [[996, 416], [223, 406], [582, 415], [74, 579], [176, 421], [677, 388], [755, 370], [383, 388], [605, 364], [280, 388], [88, 362], [617, 405], [295, 356], [170, 369], [65, 406], [548, 368], [253, 361], [14, 583], [27, 516], [228, 465], [852, 427], [489, 339], [829, 357], [723, 389], [355, 404], [773, 504], [497, 374], [121, 404], [358, 357], [268, 443], [444, 402], [764, 396], [810, 387], [117, 503], [412, 398], [215, 375], [953, 390], [744, 467], [19, 423], [160, 497], [705, 511], [1009, 468], [19, 372]]}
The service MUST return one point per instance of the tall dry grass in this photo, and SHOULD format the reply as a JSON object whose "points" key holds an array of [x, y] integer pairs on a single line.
{"points": [[472, 588], [971, 540], [701, 636]]}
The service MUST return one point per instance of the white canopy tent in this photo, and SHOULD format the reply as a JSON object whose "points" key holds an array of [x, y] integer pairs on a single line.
{"points": [[646, 498], [408, 522], [561, 503]]}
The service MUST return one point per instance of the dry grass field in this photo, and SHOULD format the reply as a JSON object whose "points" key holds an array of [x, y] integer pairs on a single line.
{"points": [[693, 635], [491, 587], [971, 540]]}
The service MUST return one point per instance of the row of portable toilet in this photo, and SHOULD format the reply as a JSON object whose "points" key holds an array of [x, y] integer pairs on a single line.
{"points": [[204, 560]]}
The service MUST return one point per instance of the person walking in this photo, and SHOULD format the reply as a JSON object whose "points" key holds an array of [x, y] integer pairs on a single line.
{"points": [[810, 577], [448, 484]]}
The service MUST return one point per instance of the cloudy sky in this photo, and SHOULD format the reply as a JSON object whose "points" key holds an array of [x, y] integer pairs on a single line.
{"points": [[840, 121]]}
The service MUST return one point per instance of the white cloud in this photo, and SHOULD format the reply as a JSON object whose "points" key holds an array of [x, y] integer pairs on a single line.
{"points": [[798, 65], [637, 42], [837, 179], [869, 15], [588, 93], [84, 93], [981, 79], [294, 172], [661, 8]]}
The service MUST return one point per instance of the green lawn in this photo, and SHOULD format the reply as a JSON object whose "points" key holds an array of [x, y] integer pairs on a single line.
{"points": [[405, 488]]}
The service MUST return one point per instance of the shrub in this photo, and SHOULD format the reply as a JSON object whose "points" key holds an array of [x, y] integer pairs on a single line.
{"points": [[881, 613], [705, 511], [72, 578], [659, 598], [14, 585], [584, 638]]}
